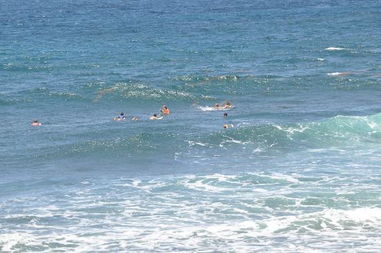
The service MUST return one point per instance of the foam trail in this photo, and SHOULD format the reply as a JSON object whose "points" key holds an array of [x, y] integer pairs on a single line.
{"points": [[211, 108], [335, 49], [338, 73]]}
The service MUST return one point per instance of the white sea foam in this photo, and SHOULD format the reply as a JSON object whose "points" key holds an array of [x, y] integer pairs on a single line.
{"points": [[360, 215], [338, 74], [211, 108], [231, 140], [216, 212], [292, 130], [207, 108], [193, 143], [207, 184], [211, 236], [285, 177], [257, 150], [334, 48], [9, 240]]}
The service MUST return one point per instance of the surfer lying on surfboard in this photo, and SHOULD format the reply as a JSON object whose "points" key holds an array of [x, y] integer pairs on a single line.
{"points": [[155, 117], [121, 116], [225, 106], [36, 123]]}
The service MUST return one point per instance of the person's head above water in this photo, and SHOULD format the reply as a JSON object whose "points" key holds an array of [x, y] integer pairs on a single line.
{"points": [[121, 114], [164, 110], [153, 117], [225, 114], [36, 123]]}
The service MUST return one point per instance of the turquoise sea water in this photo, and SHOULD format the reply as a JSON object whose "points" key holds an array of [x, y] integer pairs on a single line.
{"points": [[298, 172]]}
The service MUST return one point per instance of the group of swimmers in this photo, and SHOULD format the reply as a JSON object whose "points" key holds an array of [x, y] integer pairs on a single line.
{"points": [[164, 111]]}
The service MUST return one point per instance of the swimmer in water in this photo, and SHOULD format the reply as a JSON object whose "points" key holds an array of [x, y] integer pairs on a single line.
{"points": [[228, 125], [155, 117], [228, 105], [120, 117], [225, 115], [164, 110], [36, 123]]}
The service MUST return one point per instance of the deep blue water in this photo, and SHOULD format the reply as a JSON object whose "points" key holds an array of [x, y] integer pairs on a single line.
{"points": [[298, 172]]}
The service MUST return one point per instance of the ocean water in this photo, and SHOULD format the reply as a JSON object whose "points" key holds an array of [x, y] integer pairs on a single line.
{"points": [[300, 171]]}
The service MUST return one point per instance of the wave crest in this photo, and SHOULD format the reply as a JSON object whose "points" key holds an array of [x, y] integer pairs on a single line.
{"points": [[142, 91], [336, 131]]}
